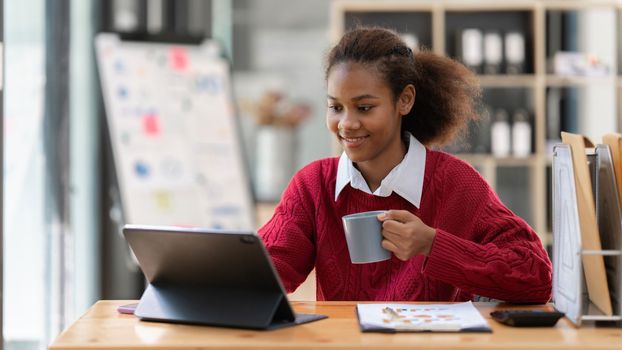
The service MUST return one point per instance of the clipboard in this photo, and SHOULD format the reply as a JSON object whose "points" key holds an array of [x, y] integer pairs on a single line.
{"points": [[398, 318]]}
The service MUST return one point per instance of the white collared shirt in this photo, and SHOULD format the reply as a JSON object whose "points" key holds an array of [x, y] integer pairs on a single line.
{"points": [[406, 179]]}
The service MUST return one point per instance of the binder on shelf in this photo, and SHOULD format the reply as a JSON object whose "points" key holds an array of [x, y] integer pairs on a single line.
{"points": [[587, 232]]}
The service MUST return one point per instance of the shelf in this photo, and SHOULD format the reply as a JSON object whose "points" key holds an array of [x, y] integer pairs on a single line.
{"points": [[524, 80], [487, 6], [549, 99], [549, 160], [555, 80], [578, 4], [417, 24], [547, 238], [364, 8], [494, 20], [384, 6], [477, 159]]}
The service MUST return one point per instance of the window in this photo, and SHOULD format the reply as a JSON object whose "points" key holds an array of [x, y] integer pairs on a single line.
{"points": [[26, 278]]}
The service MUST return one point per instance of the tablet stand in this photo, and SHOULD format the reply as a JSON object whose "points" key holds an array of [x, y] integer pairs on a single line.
{"points": [[214, 306]]}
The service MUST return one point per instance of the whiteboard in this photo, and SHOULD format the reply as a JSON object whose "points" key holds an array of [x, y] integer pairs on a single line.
{"points": [[175, 140]]}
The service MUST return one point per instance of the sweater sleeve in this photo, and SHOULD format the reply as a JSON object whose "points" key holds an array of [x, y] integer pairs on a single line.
{"points": [[288, 236], [501, 257]]}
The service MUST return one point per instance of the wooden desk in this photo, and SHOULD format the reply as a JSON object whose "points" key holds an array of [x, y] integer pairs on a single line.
{"points": [[103, 328]]}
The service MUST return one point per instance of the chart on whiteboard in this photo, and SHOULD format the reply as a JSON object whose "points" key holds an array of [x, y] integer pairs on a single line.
{"points": [[174, 136]]}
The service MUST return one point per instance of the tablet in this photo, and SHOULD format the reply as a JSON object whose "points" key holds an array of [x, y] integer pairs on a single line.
{"points": [[211, 277]]}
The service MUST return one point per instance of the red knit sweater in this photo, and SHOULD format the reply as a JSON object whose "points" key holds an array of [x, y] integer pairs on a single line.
{"points": [[480, 248]]}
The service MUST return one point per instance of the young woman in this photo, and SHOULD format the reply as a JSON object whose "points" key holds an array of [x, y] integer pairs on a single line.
{"points": [[450, 236]]}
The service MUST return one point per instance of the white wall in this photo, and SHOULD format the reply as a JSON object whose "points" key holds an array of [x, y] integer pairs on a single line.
{"points": [[597, 107], [291, 48]]}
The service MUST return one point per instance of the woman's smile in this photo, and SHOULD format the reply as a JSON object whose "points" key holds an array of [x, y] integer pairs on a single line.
{"points": [[353, 141]]}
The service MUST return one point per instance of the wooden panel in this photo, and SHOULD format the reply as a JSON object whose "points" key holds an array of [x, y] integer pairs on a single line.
{"points": [[503, 80], [578, 4]]}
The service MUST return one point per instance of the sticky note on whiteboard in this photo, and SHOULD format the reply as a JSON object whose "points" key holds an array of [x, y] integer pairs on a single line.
{"points": [[163, 200], [178, 58], [151, 125]]}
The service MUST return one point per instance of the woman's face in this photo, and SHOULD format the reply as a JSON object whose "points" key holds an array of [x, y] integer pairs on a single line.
{"points": [[363, 115]]}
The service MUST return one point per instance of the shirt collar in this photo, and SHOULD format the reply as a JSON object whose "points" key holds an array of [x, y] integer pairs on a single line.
{"points": [[406, 179]]}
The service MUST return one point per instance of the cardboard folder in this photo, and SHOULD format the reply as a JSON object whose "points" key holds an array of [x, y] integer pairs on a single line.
{"points": [[614, 141], [594, 265]]}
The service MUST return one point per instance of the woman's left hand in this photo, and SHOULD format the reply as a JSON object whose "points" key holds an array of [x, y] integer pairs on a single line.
{"points": [[405, 234]]}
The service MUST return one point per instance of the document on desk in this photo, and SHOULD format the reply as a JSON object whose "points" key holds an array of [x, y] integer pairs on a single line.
{"points": [[460, 317]]}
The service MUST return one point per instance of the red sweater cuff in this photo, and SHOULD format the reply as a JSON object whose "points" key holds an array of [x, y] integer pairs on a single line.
{"points": [[444, 257]]}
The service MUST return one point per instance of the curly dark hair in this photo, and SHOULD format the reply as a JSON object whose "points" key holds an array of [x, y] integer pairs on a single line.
{"points": [[447, 91]]}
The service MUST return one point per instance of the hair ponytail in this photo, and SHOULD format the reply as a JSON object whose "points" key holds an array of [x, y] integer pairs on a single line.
{"points": [[446, 91], [446, 100]]}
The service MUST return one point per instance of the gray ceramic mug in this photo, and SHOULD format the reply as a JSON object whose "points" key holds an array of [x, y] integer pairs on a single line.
{"points": [[364, 236]]}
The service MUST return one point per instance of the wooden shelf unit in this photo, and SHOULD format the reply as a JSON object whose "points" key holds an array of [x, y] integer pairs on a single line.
{"points": [[536, 80], [524, 80], [572, 81]]}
